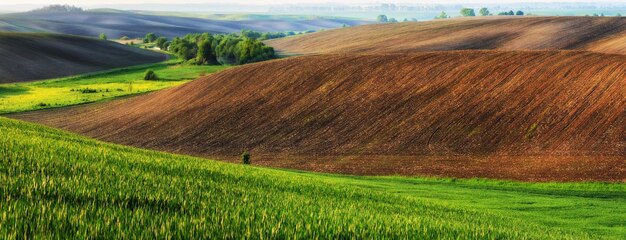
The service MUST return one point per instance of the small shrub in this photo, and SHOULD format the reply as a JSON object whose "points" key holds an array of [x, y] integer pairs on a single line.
{"points": [[150, 75], [42, 104], [245, 157], [89, 90]]}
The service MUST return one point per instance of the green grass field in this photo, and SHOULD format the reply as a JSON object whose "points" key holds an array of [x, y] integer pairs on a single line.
{"points": [[60, 185], [86, 88]]}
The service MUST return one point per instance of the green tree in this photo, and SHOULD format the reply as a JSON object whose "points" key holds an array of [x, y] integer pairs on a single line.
{"points": [[161, 42], [248, 51], [226, 50], [442, 15], [519, 13], [467, 12], [205, 55], [103, 36], [245, 157], [251, 34], [484, 11], [183, 48], [393, 20], [150, 37], [382, 18], [150, 75], [511, 13]]}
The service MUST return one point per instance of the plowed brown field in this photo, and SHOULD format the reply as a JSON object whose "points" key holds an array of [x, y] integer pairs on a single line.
{"points": [[527, 115], [36, 56], [600, 34]]}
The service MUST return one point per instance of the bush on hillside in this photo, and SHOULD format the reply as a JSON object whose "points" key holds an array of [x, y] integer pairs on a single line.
{"points": [[245, 157], [150, 75]]}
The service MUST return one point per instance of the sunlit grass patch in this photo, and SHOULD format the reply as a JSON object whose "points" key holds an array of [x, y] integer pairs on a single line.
{"points": [[19, 97]]}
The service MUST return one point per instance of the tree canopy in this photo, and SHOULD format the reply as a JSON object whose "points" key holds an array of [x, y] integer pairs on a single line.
{"points": [[150, 37], [58, 8], [442, 15], [223, 49], [382, 18], [467, 12], [484, 11]]}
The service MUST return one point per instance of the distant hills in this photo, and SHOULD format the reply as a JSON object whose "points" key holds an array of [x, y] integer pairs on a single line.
{"points": [[541, 97], [117, 23], [33, 56]]}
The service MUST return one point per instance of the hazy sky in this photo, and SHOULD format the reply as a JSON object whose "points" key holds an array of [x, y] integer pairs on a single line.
{"points": [[260, 2]]}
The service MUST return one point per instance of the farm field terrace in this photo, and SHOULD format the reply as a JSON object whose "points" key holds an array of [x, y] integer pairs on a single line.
{"points": [[93, 87], [59, 185]]}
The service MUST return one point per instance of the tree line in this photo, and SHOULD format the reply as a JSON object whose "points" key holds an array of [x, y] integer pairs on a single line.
{"points": [[464, 12], [384, 19], [58, 8], [469, 12], [206, 48]]}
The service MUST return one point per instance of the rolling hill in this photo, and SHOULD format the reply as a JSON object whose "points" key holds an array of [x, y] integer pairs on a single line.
{"points": [[122, 23], [30, 56], [81, 186], [601, 34], [452, 103]]}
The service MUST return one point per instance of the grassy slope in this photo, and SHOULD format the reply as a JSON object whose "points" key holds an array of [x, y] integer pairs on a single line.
{"points": [[61, 92], [60, 184], [601, 34], [31, 56]]}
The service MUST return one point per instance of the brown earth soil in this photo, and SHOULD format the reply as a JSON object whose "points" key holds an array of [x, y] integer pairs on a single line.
{"points": [[520, 168], [607, 34], [35, 56], [526, 115]]}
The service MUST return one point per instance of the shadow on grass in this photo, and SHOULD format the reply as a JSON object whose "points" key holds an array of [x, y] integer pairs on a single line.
{"points": [[6, 91]]}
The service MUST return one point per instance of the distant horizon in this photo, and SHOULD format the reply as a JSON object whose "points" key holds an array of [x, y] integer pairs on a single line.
{"points": [[286, 7], [283, 2]]}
